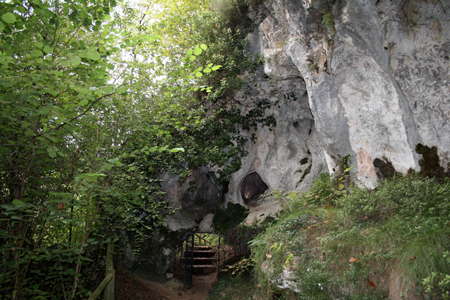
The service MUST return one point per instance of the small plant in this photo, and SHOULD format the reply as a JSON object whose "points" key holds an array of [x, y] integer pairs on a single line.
{"points": [[437, 284], [328, 22], [243, 266]]}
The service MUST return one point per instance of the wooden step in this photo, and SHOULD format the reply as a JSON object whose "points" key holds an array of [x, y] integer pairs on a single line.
{"points": [[204, 251], [204, 266], [198, 258], [203, 247], [201, 252]]}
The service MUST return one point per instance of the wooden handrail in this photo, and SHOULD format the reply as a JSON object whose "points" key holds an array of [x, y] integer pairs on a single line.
{"points": [[98, 291], [107, 284]]}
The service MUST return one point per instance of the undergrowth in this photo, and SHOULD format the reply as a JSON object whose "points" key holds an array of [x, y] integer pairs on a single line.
{"points": [[242, 287], [338, 242]]}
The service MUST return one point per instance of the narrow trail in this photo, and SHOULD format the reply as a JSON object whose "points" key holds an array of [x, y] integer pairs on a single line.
{"points": [[133, 288]]}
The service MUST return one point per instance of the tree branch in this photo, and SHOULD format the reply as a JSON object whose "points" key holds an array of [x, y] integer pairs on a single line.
{"points": [[84, 112]]}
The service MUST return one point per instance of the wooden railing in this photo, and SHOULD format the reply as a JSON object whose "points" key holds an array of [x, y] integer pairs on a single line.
{"points": [[107, 285], [184, 254]]}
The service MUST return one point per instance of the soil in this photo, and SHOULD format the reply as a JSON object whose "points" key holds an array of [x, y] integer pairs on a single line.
{"points": [[130, 287]]}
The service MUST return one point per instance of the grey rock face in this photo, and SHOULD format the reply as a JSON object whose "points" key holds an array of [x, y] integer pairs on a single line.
{"points": [[281, 155], [192, 198], [370, 79], [206, 225]]}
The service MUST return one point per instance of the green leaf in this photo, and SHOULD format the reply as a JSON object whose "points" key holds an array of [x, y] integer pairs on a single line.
{"points": [[91, 175], [90, 53], [84, 102], [47, 49], [175, 150], [151, 38], [198, 51], [203, 46], [9, 18], [73, 61], [52, 92], [217, 67], [36, 53], [18, 202], [198, 74], [2, 26], [52, 152]]}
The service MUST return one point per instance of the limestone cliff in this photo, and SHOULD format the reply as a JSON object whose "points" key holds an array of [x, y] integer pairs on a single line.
{"points": [[368, 79]]}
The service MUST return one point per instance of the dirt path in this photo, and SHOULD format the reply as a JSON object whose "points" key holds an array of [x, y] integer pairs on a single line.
{"points": [[133, 288]]}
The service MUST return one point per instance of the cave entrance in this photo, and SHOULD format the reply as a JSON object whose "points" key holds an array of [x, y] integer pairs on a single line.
{"points": [[251, 187], [199, 257]]}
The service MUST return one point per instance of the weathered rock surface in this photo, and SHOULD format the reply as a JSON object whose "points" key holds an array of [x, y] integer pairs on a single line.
{"points": [[193, 199], [364, 78], [282, 155]]}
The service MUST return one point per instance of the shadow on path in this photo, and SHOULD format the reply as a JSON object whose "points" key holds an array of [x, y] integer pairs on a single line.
{"points": [[131, 287]]}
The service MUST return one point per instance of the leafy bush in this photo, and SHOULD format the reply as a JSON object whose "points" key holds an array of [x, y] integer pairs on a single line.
{"points": [[242, 267], [411, 197], [437, 284]]}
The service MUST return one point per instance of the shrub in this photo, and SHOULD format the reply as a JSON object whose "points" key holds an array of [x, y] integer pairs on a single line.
{"points": [[411, 197]]}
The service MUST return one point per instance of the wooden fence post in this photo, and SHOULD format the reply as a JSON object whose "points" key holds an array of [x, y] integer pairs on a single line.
{"points": [[109, 290]]}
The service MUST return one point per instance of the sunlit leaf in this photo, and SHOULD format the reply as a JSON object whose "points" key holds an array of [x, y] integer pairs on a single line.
{"points": [[175, 150], [72, 61], [197, 51], [90, 53]]}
